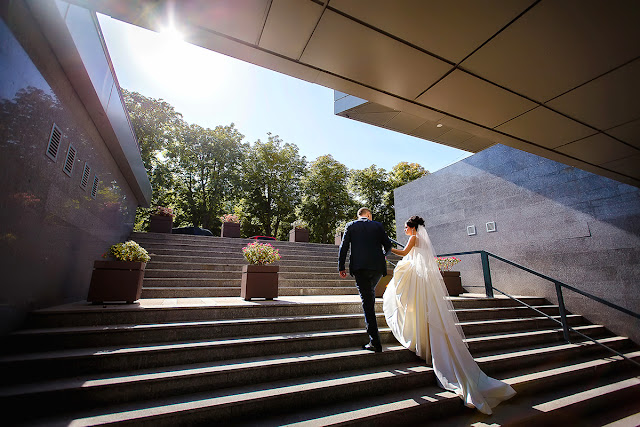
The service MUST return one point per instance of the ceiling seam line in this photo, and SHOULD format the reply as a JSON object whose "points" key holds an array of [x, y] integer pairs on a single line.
{"points": [[391, 36], [315, 27], [593, 79], [500, 31], [264, 22]]}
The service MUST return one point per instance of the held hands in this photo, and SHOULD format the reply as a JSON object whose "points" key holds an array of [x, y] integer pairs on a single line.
{"points": [[343, 273]]}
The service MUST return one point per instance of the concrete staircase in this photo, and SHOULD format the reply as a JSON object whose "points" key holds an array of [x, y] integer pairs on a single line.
{"points": [[296, 361], [198, 266]]}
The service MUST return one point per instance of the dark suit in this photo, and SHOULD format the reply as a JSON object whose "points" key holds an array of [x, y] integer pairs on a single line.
{"points": [[367, 264]]}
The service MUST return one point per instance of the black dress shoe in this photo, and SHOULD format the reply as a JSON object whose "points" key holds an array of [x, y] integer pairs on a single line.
{"points": [[372, 347]]}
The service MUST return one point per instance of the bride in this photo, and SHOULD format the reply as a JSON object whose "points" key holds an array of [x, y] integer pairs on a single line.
{"points": [[422, 319]]}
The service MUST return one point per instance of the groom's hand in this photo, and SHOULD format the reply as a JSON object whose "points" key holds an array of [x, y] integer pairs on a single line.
{"points": [[343, 273]]}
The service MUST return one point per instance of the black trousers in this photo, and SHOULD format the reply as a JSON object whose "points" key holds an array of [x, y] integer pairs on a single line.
{"points": [[366, 281]]}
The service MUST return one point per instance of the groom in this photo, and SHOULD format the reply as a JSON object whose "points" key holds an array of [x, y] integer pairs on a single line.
{"points": [[367, 263]]}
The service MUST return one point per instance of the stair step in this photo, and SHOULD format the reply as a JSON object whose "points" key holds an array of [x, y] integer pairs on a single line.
{"points": [[283, 282], [89, 391], [53, 364], [413, 407]]}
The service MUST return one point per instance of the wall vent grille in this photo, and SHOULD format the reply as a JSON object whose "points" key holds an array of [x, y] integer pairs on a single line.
{"points": [[54, 143], [94, 187], [70, 160], [86, 172]]}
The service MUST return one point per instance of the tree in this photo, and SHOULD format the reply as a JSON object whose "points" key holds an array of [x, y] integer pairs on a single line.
{"points": [[157, 125], [325, 198], [405, 172], [155, 122], [271, 178], [206, 165], [371, 189]]}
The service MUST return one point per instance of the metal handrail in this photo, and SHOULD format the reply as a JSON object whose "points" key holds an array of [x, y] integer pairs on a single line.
{"points": [[489, 288]]}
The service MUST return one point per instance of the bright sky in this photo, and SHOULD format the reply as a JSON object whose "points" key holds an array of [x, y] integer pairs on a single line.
{"points": [[212, 89]]}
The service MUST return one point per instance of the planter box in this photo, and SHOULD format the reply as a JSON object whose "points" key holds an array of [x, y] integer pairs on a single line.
{"points": [[382, 284], [230, 229], [160, 224], [259, 281], [453, 282], [116, 281], [299, 235]]}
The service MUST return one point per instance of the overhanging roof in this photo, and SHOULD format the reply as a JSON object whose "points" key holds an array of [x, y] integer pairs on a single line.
{"points": [[555, 78]]}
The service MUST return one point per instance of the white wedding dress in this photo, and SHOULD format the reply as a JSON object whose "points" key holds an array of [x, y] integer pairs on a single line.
{"points": [[422, 319]]}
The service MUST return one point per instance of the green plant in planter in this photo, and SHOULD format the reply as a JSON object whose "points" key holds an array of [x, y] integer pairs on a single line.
{"points": [[299, 223], [128, 251], [445, 263], [260, 253], [162, 211], [340, 227]]}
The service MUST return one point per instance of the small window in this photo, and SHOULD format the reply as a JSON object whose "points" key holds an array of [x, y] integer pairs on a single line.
{"points": [[70, 160], [84, 182], [471, 230], [54, 143], [94, 188], [491, 227]]}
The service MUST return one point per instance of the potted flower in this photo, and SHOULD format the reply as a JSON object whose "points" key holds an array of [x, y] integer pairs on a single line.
{"points": [[161, 221], [299, 232], [259, 280], [452, 279], [121, 278], [230, 226], [339, 232]]}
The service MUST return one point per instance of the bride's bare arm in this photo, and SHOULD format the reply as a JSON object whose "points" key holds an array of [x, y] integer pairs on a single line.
{"points": [[407, 248]]}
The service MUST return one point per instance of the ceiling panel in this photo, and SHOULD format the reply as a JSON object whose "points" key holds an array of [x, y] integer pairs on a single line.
{"points": [[545, 127], [558, 45], [464, 95], [450, 29], [241, 19], [354, 51], [628, 132], [429, 130], [606, 102], [454, 137], [289, 26], [405, 123], [476, 144], [378, 119], [372, 107], [598, 149]]}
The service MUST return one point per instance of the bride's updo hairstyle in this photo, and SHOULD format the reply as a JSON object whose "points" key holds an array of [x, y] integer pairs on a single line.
{"points": [[415, 221]]}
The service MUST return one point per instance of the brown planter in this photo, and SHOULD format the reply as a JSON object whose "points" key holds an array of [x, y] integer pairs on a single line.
{"points": [[116, 281], [453, 282], [259, 281], [299, 235], [160, 224], [230, 229], [382, 284], [338, 239]]}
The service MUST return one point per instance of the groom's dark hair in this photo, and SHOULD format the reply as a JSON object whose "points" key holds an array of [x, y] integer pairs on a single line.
{"points": [[363, 211]]}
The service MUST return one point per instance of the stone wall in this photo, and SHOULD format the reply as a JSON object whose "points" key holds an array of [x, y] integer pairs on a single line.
{"points": [[577, 227]]}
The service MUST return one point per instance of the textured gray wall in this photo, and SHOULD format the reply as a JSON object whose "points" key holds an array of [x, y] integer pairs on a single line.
{"points": [[577, 227], [51, 229]]}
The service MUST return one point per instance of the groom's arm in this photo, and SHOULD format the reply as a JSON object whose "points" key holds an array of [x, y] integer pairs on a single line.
{"points": [[344, 248], [386, 242]]}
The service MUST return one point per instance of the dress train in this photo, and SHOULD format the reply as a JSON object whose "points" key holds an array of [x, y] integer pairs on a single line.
{"points": [[422, 319]]}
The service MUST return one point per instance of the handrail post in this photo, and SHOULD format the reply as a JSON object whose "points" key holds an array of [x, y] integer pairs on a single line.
{"points": [[563, 312], [488, 286]]}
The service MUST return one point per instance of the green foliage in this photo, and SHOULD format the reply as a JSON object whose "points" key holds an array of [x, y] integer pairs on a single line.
{"points": [[128, 251], [405, 172], [371, 188], [325, 199], [271, 178], [260, 253], [202, 173]]}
